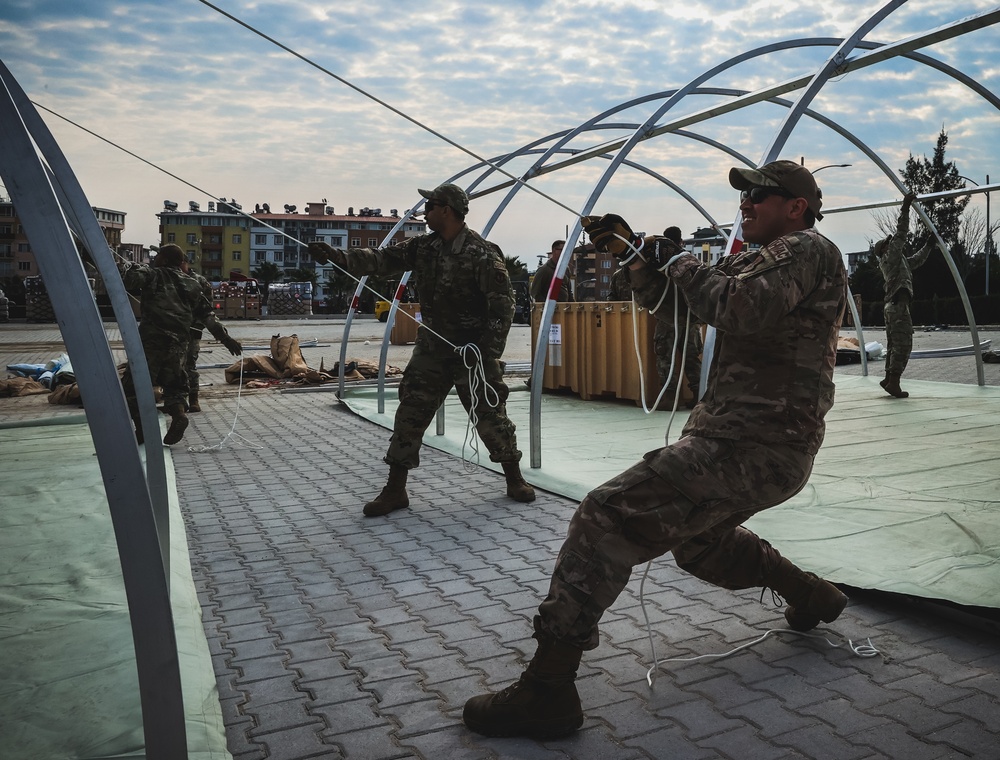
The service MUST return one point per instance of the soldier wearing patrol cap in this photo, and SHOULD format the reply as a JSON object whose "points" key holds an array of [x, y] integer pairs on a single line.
{"points": [[748, 444], [465, 298]]}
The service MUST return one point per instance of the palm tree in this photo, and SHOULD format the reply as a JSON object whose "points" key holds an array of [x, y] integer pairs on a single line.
{"points": [[516, 268], [266, 273]]}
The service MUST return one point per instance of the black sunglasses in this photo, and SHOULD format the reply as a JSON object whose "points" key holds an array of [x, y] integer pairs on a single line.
{"points": [[759, 194], [431, 205]]}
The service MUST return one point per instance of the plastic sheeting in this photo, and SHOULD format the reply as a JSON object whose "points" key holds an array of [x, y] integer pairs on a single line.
{"points": [[68, 685], [904, 496]]}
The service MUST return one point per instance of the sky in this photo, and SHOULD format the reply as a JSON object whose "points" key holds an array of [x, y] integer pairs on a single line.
{"points": [[233, 115]]}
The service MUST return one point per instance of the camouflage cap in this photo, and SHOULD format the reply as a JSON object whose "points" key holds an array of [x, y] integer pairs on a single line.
{"points": [[449, 195], [788, 175]]}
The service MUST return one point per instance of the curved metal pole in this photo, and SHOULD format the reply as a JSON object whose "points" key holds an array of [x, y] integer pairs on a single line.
{"points": [[352, 309], [118, 457], [385, 339], [84, 224]]}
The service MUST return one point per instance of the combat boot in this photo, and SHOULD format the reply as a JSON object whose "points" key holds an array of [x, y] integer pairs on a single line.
{"points": [[178, 423], [193, 405], [542, 704], [891, 385], [517, 488], [810, 598], [393, 495]]}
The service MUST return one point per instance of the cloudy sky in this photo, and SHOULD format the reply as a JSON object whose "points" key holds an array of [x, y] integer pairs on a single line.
{"points": [[206, 99]]}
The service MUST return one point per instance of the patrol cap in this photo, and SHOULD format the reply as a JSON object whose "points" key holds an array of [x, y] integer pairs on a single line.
{"points": [[788, 175], [170, 255], [449, 195]]}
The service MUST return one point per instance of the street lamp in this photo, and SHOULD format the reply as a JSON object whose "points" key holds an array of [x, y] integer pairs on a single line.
{"points": [[828, 166], [989, 232]]}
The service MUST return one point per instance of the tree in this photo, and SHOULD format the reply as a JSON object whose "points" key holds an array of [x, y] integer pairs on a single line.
{"points": [[266, 273], [303, 274], [516, 268]]}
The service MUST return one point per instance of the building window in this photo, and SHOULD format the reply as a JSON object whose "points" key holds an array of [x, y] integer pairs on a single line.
{"points": [[605, 264], [192, 238], [191, 257], [237, 255], [259, 256], [237, 239], [279, 256], [372, 242], [171, 237], [260, 239], [24, 248], [24, 266], [277, 239], [337, 242], [355, 242], [605, 279]]}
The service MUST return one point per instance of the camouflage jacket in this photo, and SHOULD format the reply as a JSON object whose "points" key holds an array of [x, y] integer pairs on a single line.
{"points": [[542, 280], [621, 286], [897, 268], [464, 289], [777, 313], [172, 301]]}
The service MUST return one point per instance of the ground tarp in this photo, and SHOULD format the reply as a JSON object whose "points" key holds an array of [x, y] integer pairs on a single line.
{"points": [[904, 496]]}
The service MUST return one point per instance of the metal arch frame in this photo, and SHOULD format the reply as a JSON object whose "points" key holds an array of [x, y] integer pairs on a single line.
{"points": [[143, 571]]}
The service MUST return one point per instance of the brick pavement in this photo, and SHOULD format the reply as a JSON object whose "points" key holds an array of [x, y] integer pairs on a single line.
{"points": [[334, 636]]}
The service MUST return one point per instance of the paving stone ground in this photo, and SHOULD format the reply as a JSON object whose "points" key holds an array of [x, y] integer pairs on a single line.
{"points": [[337, 636]]}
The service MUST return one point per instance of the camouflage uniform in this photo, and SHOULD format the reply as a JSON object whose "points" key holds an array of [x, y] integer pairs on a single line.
{"points": [[465, 297], [897, 273], [747, 446], [172, 302], [214, 326], [542, 280], [621, 288]]}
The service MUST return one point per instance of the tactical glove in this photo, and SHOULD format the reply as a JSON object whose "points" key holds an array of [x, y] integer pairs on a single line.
{"points": [[324, 252], [660, 251], [611, 233], [233, 345]]}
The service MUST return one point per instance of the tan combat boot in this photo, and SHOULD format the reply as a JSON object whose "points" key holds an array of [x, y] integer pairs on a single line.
{"points": [[517, 488], [542, 704], [178, 423], [891, 385], [810, 598], [193, 405], [393, 495]]}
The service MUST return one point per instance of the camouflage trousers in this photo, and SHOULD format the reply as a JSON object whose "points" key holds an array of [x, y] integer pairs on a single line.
{"points": [[191, 361], [691, 499], [663, 345], [427, 380], [898, 333], [166, 360]]}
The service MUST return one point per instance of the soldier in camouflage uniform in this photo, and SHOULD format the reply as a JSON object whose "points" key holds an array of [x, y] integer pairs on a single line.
{"points": [[748, 445], [170, 303], [465, 298], [897, 272], [542, 280], [621, 288], [194, 344]]}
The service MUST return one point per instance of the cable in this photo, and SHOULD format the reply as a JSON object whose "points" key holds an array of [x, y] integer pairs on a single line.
{"points": [[861, 650], [232, 434], [392, 108], [477, 378]]}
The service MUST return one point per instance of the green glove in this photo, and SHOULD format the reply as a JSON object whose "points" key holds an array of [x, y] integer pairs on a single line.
{"points": [[324, 252], [233, 345]]}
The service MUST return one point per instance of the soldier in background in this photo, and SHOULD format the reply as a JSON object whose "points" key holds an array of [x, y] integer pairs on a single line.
{"points": [[466, 298], [194, 343], [897, 273], [542, 280], [171, 301], [747, 446]]}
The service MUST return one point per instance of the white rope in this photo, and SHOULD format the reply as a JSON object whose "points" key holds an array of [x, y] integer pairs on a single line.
{"points": [[232, 436], [866, 649], [472, 357]]}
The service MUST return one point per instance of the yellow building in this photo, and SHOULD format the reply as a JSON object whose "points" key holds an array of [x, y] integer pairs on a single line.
{"points": [[216, 241]]}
